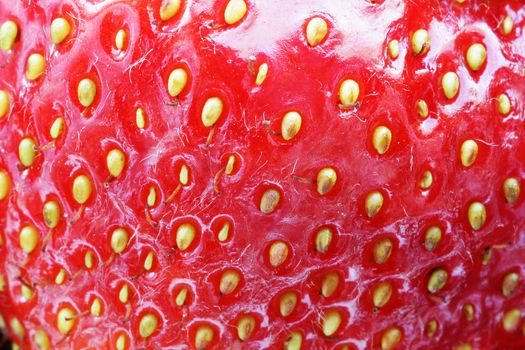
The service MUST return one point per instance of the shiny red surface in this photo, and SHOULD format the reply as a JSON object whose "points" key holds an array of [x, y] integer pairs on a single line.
{"points": [[301, 78]]}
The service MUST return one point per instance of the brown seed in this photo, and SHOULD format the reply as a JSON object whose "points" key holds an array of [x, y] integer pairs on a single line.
{"points": [[510, 284], [382, 250], [382, 294]]}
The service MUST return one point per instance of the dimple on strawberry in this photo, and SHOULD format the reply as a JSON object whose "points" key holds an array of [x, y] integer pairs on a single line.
{"points": [[240, 174]]}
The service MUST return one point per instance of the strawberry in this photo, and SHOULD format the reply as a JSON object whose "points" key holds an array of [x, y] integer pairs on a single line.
{"points": [[243, 174]]}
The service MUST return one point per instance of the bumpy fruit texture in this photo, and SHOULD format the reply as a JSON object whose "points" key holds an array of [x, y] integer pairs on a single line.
{"points": [[262, 174]]}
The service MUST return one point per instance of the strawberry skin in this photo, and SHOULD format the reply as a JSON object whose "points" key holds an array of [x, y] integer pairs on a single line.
{"points": [[262, 174]]}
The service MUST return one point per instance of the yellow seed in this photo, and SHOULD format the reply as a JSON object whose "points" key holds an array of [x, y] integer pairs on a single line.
{"points": [[323, 238], [476, 55], [391, 338], [184, 175], [2, 323], [504, 104], [245, 327], [81, 189], [469, 153], [269, 201], [51, 213], [60, 277], [229, 282], [393, 49], [235, 11], [177, 81], [326, 179], [115, 161], [426, 180], [511, 189], [86, 92], [65, 320], [35, 66], [477, 215], [432, 238], [211, 111], [140, 118], [294, 341], [382, 250], [422, 108], [373, 203], [181, 296], [5, 103], [120, 343], [152, 197], [56, 128], [316, 31], [42, 340], [27, 151], [27, 293], [60, 29], [348, 92], [381, 139], [290, 125], [89, 259], [506, 25], [15, 346], [148, 325], [330, 284], [29, 238], [450, 85], [468, 311], [510, 284], [17, 328], [431, 328], [8, 34], [96, 307], [148, 262], [437, 280], [287, 303], [511, 320], [120, 39], [185, 236], [123, 294], [168, 9], [464, 346], [119, 240], [223, 233], [5, 184], [331, 323], [203, 337], [261, 74], [278, 253], [229, 165], [382, 294], [420, 42]]}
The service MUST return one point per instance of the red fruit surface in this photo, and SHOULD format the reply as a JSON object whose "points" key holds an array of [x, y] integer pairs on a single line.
{"points": [[222, 60]]}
